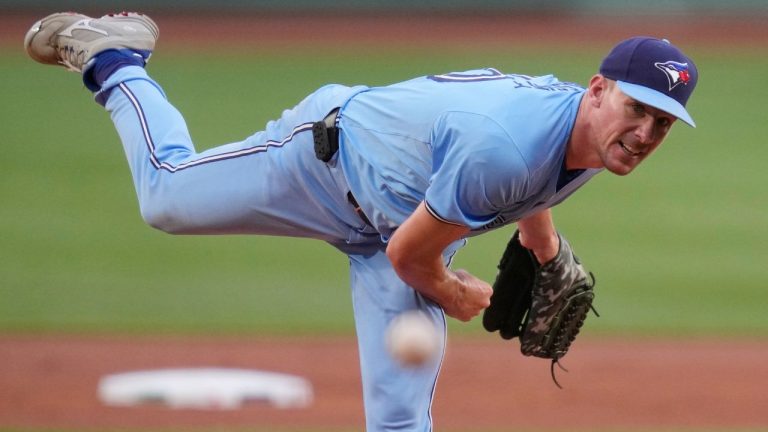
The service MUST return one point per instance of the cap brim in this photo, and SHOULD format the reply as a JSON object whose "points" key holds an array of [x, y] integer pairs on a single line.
{"points": [[657, 100]]}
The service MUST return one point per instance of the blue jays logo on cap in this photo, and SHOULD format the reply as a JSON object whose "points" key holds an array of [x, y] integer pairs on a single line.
{"points": [[677, 73], [654, 72]]}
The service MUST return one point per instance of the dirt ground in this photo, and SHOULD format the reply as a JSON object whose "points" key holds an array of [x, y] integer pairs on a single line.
{"points": [[51, 381]]}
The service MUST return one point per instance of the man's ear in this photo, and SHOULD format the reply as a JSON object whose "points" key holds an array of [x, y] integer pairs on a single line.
{"points": [[597, 89]]}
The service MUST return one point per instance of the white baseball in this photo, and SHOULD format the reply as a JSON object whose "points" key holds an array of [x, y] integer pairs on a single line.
{"points": [[412, 339]]}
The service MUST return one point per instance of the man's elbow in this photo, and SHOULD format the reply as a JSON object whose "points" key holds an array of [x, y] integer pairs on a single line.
{"points": [[395, 255], [401, 258]]}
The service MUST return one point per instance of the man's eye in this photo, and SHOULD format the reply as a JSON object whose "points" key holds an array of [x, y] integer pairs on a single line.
{"points": [[638, 109], [663, 122]]}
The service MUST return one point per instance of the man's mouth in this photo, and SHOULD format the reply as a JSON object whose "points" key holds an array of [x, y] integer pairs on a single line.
{"points": [[629, 150]]}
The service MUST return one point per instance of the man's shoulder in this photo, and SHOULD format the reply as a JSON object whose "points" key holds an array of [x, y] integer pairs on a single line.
{"points": [[540, 122]]}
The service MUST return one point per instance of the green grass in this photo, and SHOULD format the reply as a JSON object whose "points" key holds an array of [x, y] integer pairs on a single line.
{"points": [[679, 247]]}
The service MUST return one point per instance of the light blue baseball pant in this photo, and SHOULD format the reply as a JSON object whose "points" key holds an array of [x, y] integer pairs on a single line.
{"points": [[272, 184]]}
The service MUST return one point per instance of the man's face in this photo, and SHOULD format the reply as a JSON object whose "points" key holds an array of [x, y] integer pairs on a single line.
{"points": [[628, 131]]}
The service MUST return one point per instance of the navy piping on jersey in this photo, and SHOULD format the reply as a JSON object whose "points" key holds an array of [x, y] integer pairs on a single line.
{"points": [[437, 216], [213, 158]]}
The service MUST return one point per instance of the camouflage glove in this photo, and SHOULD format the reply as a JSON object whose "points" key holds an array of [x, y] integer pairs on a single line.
{"points": [[544, 305], [562, 297]]}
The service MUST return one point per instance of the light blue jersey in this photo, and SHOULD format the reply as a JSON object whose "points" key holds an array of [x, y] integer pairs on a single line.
{"points": [[482, 148]]}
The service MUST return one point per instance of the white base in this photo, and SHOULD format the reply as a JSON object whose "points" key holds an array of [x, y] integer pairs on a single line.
{"points": [[205, 388]]}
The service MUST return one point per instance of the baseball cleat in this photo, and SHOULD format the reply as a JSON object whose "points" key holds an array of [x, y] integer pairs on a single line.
{"points": [[71, 39]]}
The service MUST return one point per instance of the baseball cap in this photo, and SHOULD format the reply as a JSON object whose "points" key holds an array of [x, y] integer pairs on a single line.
{"points": [[654, 72]]}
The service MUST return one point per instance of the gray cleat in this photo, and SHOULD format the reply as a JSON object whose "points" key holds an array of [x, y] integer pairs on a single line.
{"points": [[71, 40]]}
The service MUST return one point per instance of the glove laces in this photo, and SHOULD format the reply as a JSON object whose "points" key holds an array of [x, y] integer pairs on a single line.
{"points": [[572, 336]]}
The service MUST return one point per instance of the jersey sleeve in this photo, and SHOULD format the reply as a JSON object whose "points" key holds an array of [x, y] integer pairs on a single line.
{"points": [[477, 170]]}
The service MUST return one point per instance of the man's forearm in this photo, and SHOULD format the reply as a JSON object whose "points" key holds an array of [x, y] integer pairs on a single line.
{"points": [[416, 252], [537, 232], [429, 277]]}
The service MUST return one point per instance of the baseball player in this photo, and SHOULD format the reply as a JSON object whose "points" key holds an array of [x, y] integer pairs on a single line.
{"points": [[396, 177]]}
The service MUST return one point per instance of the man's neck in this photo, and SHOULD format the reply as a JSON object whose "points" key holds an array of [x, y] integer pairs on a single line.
{"points": [[578, 152]]}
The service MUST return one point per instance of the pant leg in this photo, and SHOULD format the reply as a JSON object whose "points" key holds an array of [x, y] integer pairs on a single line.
{"points": [[396, 398], [270, 183]]}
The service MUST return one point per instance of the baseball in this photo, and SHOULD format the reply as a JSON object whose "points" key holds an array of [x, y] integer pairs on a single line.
{"points": [[412, 339]]}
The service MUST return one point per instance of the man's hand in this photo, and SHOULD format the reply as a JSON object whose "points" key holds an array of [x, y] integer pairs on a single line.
{"points": [[416, 252], [473, 296]]}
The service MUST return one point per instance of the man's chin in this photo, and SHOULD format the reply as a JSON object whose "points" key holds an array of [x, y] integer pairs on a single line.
{"points": [[619, 168], [619, 163]]}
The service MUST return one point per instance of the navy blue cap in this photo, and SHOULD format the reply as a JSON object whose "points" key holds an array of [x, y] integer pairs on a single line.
{"points": [[654, 72]]}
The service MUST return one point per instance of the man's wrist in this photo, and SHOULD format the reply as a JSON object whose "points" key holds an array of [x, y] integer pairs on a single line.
{"points": [[544, 248]]}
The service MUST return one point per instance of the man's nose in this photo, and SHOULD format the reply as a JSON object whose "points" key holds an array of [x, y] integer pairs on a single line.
{"points": [[646, 131]]}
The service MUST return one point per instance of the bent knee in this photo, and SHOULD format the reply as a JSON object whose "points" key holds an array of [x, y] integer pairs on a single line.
{"points": [[161, 217]]}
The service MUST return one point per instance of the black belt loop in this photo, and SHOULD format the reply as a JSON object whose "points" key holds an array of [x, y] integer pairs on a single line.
{"points": [[326, 136], [358, 210]]}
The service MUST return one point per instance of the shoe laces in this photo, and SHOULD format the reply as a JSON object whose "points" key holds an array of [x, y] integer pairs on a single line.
{"points": [[71, 58]]}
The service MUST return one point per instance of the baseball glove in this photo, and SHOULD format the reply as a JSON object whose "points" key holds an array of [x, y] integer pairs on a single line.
{"points": [[544, 305]]}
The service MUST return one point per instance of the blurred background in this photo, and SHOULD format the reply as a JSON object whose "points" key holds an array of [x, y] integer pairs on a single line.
{"points": [[680, 245], [620, 7], [679, 248]]}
